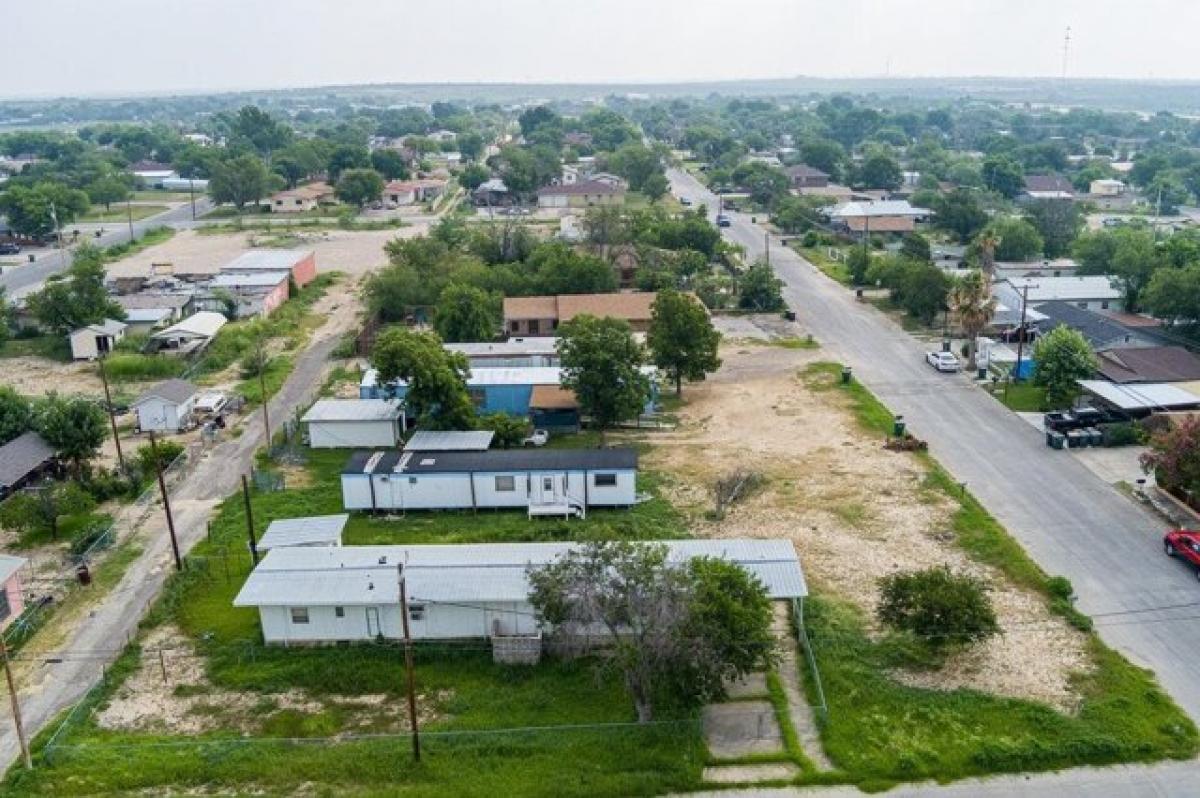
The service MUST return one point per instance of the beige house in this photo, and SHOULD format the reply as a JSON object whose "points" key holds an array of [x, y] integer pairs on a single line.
{"points": [[581, 195], [301, 198], [541, 315]]}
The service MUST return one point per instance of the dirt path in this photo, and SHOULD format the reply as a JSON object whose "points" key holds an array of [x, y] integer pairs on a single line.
{"points": [[837, 493]]}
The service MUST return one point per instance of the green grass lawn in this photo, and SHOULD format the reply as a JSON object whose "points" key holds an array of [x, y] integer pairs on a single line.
{"points": [[51, 347], [881, 732], [834, 269], [1022, 397], [118, 213], [575, 732]]}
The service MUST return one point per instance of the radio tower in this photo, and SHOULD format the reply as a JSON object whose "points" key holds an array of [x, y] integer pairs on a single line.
{"points": [[1066, 52]]}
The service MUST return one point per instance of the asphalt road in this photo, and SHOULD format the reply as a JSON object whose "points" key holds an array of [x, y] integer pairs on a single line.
{"points": [[1069, 521], [92, 644], [28, 276]]}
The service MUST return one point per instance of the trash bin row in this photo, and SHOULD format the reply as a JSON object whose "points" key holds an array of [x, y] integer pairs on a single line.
{"points": [[1074, 439]]}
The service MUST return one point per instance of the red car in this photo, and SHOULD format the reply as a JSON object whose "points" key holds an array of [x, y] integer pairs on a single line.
{"points": [[1184, 543]]}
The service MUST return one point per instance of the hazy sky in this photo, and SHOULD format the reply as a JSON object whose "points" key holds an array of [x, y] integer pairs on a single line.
{"points": [[82, 47]]}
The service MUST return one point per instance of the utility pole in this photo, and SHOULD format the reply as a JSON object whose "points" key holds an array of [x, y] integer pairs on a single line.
{"points": [[16, 706], [129, 216], [162, 486], [262, 389], [192, 194], [57, 226], [1021, 329], [249, 519], [408, 666], [767, 243], [112, 416]]}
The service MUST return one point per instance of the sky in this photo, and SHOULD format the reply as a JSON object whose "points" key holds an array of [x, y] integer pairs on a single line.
{"points": [[120, 47]]}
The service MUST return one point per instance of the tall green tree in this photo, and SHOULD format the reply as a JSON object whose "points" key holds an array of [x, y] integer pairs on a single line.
{"points": [[33, 210], [1003, 175], [1017, 239], [466, 313], [682, 338], [959, 212], [880, 170], [436, 379], [239, 180], [1061, 358], [77, 297], [759, 289], [601, 363], [359, 186], [1058, 222], [1135, 259], [16, 414], [390, 164], [971, 301], [260, 130], [75, 426], [37, 511], [108, 190]]}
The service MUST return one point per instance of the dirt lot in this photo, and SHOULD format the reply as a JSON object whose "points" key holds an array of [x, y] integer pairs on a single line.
{"points": [[855, 511], [173, 696], [188, 252]]}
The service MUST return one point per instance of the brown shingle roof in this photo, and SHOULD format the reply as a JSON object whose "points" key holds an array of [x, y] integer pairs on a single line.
{"points": [[631, 307], [1149, 364], [881, 224], [552, 397], [804, 170], [1048, 183], [530, 307]]}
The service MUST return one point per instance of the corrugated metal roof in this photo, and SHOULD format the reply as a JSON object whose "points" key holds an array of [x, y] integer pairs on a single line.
{"points": [[175, 391], [146, 315], [511, 348], [255, 279], [306, 531], [507, 375], [1045, 289], [204, 324], [877, 208], [428, 441], [353, 410], [474, 572], [267, 260], [1142, 396], [9, 565]]}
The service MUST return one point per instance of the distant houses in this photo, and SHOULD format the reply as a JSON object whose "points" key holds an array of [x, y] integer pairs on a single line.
{"points": [[1055, 187], [877, 216], [301, 199], [584, 194], [1093, 292], [23, 460], [804, 176], [189, 336]]}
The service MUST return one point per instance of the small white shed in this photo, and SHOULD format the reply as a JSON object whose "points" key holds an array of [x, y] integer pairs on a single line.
{"points": [[93, 340], [167, 407], [353, 423]]}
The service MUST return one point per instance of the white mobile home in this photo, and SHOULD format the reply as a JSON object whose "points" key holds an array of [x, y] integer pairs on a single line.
{"points": [[167, 407], [348, 593], [353, 423], [515, 352], [541, 481]]}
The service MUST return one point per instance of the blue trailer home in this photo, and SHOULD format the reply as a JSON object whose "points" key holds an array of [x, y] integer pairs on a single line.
{"points": [[532, 392]]}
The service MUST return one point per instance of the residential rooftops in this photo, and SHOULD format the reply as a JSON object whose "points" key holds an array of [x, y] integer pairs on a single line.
{"points": [[353, 410], [582, 187], [877, 208], [635, 305], [1148, 364], [320, 575], [365, 462], [21, 456], [308, 531], [1142, 396], [173, 391], [204, 324], [437, 441], [1048, 184], [266, 260], [1045, 289]]}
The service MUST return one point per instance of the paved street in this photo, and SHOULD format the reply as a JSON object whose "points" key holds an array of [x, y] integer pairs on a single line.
{"points": [[1068, 519], [52, 688], [27, 277]]}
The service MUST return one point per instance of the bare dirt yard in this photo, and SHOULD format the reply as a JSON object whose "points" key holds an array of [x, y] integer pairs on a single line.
{"points": [[171, 694], [190, 252], [855, 511]]}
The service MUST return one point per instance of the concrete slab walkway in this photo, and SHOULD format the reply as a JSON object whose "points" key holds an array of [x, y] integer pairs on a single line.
{"points": [[799, 712]]}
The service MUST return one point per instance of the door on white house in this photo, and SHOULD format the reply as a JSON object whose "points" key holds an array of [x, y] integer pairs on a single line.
{"points": [[550, 489], [373, 628]]}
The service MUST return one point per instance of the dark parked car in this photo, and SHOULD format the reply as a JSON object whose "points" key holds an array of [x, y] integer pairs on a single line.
{"points": [[1077, 419], [9, 248]]}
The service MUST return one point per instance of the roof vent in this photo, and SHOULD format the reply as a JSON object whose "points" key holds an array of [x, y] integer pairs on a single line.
{"points": [[428, 461], [370, 585], [383, 560]]}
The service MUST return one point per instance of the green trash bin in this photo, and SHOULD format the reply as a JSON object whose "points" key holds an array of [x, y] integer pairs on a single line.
{"points": [[846, 374], [898, 426], [1056, 440]]}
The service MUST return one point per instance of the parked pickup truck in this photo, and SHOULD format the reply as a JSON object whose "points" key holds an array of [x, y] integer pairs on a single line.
{"points": [[1076, 419]]}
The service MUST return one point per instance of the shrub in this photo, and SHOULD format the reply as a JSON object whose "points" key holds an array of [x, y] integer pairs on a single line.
{"points": [[1123, 433], [90, 534], [937, 605]]}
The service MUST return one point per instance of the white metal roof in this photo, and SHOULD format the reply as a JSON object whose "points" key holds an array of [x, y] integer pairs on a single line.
{"points": [[144, 315], [508, 375], [106, 327], [9, 565], [510, 348], [353, 410], [1143, 396], [308, 531], [1045, 289], [474, 572], [427, 441], [249, 279], [204, 324], [266, 260], [877, 208]]}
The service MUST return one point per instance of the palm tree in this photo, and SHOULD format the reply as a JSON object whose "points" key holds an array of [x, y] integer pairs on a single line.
{"points": [[971, 300]]}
